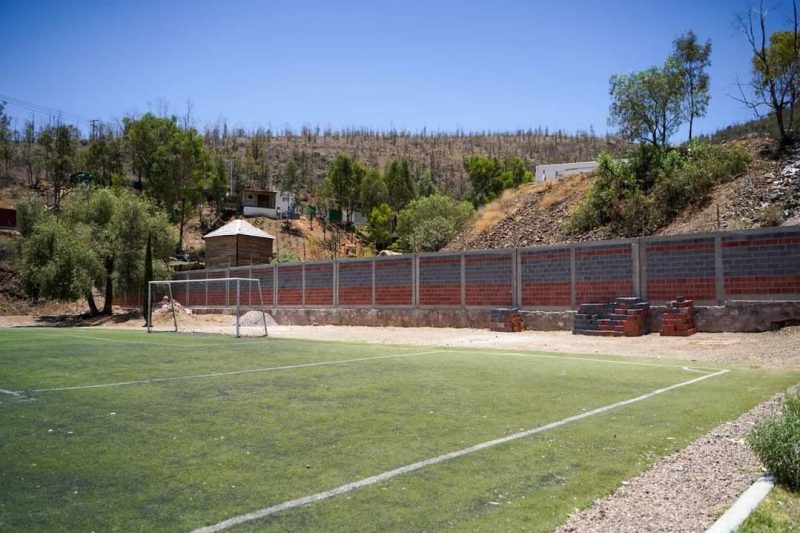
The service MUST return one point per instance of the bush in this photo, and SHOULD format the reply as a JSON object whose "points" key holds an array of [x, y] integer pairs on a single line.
{"points": [[776, 441], [649, 189]]}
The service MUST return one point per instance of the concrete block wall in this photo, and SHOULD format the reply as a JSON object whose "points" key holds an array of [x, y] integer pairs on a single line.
{"points": [[712, 269], [765, 265], [680, 267], [440, 279], [489, 279], [394, 281], [546, 277], [603, 272]]}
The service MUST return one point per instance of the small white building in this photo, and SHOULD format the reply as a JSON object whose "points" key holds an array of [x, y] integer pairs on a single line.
{"points": [[554, 172], [265, 203]]}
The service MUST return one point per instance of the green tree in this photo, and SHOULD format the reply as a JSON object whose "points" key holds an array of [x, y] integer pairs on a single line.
{"points": [[344, 179], [373, 190], [59, 261], [29, 154], [141, 139], [148, 277], [692, 59], [775, 85], [398, 183], [180, 170], [6, 137], [290, 180], [380, 225], [104, 156], [483, 173], [96, 241], [428, 224], [60, 145], [646, 105]]}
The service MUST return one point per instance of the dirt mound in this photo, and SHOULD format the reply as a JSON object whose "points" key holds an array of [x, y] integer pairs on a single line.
{"points": [[767, 194], [255, 319], [532, 215]]}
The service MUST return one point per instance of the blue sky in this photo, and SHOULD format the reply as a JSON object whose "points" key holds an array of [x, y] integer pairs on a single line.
{"points": [[440, 65]]}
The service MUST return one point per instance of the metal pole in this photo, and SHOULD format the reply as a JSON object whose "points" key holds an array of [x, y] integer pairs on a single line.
{"points": [[172, 301], [263, 314], [149, 315], [237, 308]]}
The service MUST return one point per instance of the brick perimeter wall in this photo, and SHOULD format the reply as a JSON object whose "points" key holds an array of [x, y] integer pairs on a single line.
{"points": [[394, 281], [603, 273], [768, 264], [736, 265], [546, 278], [680, 268], [440, 280]]}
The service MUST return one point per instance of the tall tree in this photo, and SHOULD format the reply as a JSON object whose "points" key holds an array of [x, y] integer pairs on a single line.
{"points": [[290, 180], [399, 184], [344, 181], [380, 225], [775, 84], [29, 154], [104, 157], [179, 172], [60, 145], [142, 138], [148, 277], [692, 59], [373, 190], [6, 137], [646, 105]]}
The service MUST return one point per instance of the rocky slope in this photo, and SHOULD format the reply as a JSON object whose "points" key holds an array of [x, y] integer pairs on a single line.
{"points": [[767, 194]]}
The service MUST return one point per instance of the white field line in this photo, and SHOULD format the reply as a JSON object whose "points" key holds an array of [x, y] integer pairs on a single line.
{"points": [[698, 369], [231, 372], [349, 487], [166, 345], [11, 393]]}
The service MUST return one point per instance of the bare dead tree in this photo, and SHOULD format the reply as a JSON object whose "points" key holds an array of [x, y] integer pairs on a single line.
{"points": [[776, 69]]}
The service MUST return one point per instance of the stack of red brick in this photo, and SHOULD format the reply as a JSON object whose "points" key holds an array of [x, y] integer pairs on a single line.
{"points": [[508, 320], [678, 318], [623, 317]]}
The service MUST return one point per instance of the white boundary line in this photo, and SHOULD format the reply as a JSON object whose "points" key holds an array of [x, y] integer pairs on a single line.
{"points": [[349, 487], [116, 341], [700, 369], [231, 372]]}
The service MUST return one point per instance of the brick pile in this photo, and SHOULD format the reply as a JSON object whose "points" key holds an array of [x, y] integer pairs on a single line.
{"points": [[678, 318], [508, 320], [622, 317]]}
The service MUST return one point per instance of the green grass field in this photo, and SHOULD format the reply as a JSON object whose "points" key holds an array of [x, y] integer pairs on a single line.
{"points": [[109, 430]]}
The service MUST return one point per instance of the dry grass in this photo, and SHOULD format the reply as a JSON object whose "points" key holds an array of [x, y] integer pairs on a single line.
{"points": [[566, 189]]}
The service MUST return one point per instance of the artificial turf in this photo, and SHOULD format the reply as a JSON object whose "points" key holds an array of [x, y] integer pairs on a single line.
{"points": [[241, 425]]}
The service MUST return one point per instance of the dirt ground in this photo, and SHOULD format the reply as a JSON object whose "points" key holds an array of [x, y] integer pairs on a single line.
{"points": [[775, 349]]}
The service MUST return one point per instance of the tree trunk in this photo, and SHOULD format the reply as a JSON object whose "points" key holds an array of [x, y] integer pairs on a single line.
{"points": [[92, 306], [109, 266]]}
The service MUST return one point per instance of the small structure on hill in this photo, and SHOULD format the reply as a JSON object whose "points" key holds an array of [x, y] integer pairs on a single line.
{"points": [[265, 202], [238, 243], [555, 172]]}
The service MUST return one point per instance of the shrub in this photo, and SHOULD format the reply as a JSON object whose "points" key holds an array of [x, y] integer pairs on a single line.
{"points": [[776, 441], [649, 189]]}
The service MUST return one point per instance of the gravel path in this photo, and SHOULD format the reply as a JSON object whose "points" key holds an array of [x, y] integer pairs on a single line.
{"points": [[686, 491]]}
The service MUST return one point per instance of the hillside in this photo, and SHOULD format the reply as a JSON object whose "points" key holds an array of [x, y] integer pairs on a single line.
{"points": [[535, 214], [259, 157]]}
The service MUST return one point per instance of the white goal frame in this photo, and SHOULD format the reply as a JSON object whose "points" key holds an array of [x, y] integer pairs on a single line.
{"points": [[238, 281]]}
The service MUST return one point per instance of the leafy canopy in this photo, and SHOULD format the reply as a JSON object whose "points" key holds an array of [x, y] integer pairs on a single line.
{"points": [[427, 224]]}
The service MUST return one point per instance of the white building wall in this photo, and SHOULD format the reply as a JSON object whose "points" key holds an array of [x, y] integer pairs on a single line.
{"points": [[554, 172]]}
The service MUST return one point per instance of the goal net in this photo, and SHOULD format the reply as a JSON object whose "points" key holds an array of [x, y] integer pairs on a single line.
{"points": [[233, 306]]}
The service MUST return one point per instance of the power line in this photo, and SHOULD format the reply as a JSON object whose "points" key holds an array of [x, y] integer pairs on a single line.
{"points": [[45, 110]]}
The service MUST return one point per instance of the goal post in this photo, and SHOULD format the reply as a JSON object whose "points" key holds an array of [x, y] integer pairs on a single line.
{"points": [[228, 295]]}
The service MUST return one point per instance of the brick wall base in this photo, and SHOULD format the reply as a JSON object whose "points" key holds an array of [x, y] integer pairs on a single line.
{"points": [[735, 316]]}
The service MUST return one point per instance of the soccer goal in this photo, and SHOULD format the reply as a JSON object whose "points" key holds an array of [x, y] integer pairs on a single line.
{"points": [[171, 305]]}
